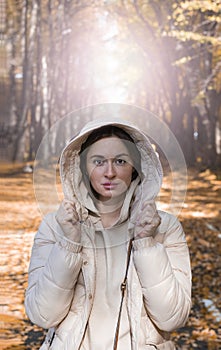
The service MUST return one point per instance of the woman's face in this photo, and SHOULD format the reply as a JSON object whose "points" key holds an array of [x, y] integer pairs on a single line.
{"points": [[109, 167]]}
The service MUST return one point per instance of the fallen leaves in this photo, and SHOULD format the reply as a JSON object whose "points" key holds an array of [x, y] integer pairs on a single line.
{"points": [[200, 218], [202, 330]]}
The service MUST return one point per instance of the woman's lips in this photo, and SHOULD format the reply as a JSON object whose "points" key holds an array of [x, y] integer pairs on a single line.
{"points": [[109, 185]]}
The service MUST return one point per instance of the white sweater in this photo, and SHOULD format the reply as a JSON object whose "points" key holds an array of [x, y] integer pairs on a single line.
{"points": [[111, 256]]}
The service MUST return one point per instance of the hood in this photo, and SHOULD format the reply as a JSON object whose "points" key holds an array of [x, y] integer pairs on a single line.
{"points": [[71, 176]]}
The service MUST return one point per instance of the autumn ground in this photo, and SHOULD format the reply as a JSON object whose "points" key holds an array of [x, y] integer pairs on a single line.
{"points": [[200, 217]]}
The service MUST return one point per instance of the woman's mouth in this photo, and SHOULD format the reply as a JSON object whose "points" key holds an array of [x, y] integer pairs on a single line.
{"points": [[109, 185]]}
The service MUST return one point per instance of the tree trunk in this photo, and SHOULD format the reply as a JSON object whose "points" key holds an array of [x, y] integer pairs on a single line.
{"points": [[212, 110], [29, 46]]}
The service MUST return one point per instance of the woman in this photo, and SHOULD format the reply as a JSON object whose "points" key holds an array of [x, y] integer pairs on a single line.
{"points": [[108, 270]]}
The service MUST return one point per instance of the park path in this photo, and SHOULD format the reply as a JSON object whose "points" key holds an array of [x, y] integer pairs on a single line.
{"points": [[19, 219]]}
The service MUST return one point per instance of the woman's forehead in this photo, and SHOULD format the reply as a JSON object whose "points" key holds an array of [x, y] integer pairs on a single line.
{"points": [[108, 147]]}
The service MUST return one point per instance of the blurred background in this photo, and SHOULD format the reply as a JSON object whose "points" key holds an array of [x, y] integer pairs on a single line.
{"points": [[58, 56]]}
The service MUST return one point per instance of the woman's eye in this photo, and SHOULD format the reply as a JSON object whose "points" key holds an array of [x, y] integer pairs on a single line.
{"points": [[98, 162], [120, 161]]}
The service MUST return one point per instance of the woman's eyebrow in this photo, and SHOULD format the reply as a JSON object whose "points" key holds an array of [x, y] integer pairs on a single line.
{"points": [[96, 156], [122, 155], [117, 155]]}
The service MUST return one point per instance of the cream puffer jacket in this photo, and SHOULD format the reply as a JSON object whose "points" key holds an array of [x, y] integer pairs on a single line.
{"points": [[159, 277]]}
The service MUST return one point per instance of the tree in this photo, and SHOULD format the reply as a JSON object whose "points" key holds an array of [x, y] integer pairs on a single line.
{"points": [[181, 43], [163, 56]]}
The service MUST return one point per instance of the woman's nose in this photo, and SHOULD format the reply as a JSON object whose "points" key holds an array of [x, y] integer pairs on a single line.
{"points": [[110, 171]]}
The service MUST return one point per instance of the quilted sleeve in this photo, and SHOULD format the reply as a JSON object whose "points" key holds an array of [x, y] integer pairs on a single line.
{"points": [[54, 267], [163, 268]]}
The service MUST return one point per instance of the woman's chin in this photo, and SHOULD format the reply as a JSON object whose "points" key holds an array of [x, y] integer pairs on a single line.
{"points": [[111, 196]]}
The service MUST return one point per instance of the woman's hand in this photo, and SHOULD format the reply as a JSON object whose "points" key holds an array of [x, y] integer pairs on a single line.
{"points": [[68, 219], [147, 220]]}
